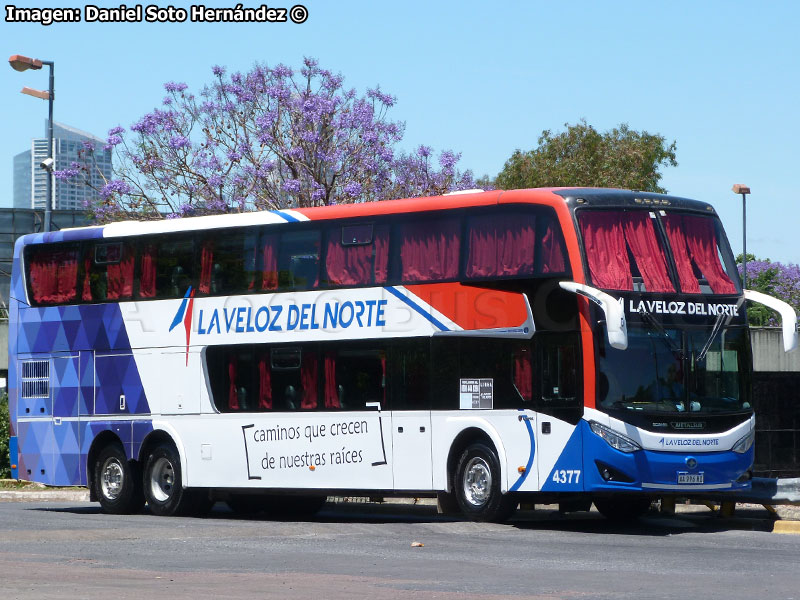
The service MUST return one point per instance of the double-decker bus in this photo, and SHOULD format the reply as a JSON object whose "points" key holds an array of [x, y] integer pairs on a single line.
{"points": [[560, 345]]}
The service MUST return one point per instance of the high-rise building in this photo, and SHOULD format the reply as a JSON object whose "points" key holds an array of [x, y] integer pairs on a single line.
{"points": [[69, 144]]}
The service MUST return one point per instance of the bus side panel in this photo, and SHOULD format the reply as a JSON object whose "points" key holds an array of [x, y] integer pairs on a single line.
{"points": [[285, 450]]}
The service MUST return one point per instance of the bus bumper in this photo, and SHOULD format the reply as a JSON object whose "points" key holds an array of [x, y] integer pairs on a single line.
{"points": [[609, 470]]}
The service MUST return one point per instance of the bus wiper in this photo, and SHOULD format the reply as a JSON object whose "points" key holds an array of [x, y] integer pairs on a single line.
{"points": [[717, 326], [653, 322]]}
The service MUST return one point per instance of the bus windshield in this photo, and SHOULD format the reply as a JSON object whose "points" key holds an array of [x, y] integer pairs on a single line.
{"points": [[677, 371]]}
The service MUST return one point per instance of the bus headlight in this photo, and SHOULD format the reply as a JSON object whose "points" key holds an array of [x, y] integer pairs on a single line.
{"points": [[614, 439], [744, 444]]}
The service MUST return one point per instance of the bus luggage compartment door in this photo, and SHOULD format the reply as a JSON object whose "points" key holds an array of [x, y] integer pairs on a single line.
{"points": [[411, 450]]}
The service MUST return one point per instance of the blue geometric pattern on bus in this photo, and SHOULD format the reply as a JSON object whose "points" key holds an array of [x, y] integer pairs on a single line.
{"points": [[117, 376], [528, 466], [70, 328], [65, 386], [563, 476], [50, 453], [57, 454]]}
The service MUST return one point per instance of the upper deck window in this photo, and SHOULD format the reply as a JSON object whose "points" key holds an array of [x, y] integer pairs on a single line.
{"points": [[54, 273], [429, 249], [621, 245], [357, 254], [512, 244], [698, 254]]}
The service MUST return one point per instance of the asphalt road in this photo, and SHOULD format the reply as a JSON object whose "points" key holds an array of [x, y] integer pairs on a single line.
{"points": [[71, 550]]}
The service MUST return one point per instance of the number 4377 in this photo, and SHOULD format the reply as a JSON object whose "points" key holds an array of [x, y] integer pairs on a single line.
{"points": [[568, 476]]}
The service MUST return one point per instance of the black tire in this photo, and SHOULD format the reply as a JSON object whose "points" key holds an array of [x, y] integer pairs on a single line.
{"points": [[117, 482], [163, 483], [477, 486], [620, 508]]}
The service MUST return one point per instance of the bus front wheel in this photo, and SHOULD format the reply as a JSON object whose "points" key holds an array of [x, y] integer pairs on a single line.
{"points": [[477, 486], [163, 485], [117, 484]]}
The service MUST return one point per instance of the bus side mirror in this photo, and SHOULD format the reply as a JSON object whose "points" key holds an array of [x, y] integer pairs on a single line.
{"points": [[788, 316], [616, 325]]}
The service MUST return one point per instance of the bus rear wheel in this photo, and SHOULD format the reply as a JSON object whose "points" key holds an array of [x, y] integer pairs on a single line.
{"points": [[477, 486], [620, 508], [163, 483], [117, 484]]}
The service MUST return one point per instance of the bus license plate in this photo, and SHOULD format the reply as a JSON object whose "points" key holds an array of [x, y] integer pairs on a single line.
{"points": [[690, 478]]}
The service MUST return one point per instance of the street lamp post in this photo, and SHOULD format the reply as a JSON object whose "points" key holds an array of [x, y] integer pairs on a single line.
{"points": [[23, 63], [740, 188]]}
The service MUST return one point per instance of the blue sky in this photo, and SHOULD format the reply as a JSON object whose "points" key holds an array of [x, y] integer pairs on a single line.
{"points": [[722, 79]]}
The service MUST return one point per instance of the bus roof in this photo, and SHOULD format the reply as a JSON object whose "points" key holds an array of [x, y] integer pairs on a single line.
{"points": [[555, 197]]}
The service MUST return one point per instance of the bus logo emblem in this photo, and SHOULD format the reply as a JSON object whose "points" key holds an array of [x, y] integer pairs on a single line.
{"points": [[185, 314]]}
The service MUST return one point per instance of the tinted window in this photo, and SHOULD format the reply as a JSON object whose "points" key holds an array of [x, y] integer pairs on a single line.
{"points": [[298, 262], [173, 267], [53, 273]]}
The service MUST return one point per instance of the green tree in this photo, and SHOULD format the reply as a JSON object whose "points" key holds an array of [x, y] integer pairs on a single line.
{"points": [[5, 431], [582, 156]]}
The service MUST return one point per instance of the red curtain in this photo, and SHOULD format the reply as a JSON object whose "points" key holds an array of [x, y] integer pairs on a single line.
{"points": [[355, 265], [347, 265], [86, 294], [381, 243], [120, 278], [429, 250], [641, 237], [233, 395], [308, 379], [523, 373], [331, 391], [552, 252], [269, 268], [683, 263], [501, 245], [605, 250], [206, 266], [701, 237], [147, 278], [694, 244], [264, 382], [54, 276]]}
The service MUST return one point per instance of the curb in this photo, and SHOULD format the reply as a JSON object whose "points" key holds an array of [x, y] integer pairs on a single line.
{"points": [[44, 496], [790, 527]]}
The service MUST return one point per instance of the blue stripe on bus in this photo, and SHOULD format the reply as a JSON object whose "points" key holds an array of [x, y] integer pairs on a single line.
{"points": [[289, 218], [395, 292], [528, 466]]}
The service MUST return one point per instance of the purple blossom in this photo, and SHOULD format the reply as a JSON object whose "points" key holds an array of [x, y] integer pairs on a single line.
{"points": [[66, 174], [353, 189], [173, 87], [115, 186], [266, 138], [179, 141]]}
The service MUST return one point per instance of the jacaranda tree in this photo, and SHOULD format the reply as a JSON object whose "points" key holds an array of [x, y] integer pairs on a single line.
{"points": [[774, 279], [266, 139]]}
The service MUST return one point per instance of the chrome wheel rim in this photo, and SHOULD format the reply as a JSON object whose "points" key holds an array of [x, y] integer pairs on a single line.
{"points": [[477, 481], [112, 478], [162, 480]]}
